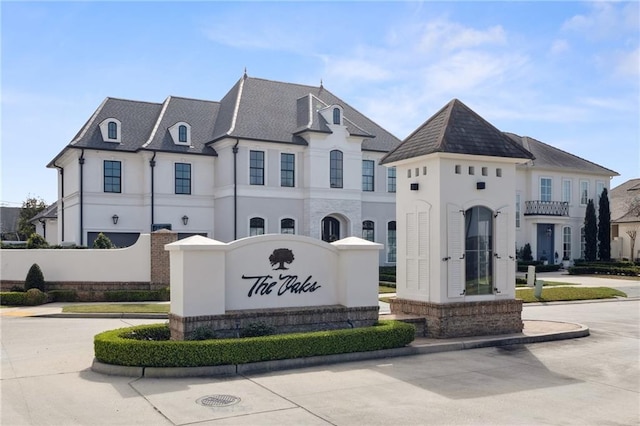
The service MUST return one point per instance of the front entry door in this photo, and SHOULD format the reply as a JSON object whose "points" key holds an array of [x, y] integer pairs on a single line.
{"points": [[545, 249], [330, 229]]}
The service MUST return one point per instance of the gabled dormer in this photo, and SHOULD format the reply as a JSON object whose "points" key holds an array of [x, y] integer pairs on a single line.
{"points": [[334, 115], [181, 133], [111, 130]]}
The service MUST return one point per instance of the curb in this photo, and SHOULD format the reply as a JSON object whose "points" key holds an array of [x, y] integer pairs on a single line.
{"points": [[287, 364]]}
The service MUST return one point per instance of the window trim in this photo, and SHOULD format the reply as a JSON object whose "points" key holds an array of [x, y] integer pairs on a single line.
{"points": [[372, 229], [251, 227], [337, 116], [253, 168], [392, 181], [586, 193], [566, 243], [565, 189], [104, 176], [369, 181], [540, 186], [177, 179], [105, 130], [293, 227], [389, 245], [292, 170], [336, 167]]}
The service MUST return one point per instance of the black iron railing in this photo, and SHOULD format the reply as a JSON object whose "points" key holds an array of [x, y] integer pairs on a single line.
{"points": [[546, 208]]}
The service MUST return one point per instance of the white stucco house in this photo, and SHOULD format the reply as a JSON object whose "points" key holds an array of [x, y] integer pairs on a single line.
{"points": [[270, 157], [276, 157], [625, 220]]}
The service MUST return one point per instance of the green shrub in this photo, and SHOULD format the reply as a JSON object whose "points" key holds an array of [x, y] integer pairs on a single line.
{"points": [[112, 348], [256, 329], [13, 298], [157, 334], [36, 241], [604, 270], [524, 267], [35, 278], [17, 288], [62, 295], [525, 253], [203, 333], [102, 242], [34, 296], [136, 295]]}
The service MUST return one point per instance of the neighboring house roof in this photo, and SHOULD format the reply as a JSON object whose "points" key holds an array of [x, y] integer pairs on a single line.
{"points": [[253, 109], [457, 129], [9, 219], [547, 156], [624, 201], [51, 212]]}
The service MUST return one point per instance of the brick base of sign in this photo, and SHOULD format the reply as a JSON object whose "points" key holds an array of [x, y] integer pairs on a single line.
{"points": [[285, 320], [446, 320]]}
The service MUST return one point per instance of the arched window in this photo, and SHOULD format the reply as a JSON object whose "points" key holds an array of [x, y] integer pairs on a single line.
{"points": [[566, 243], [583, 243], [336, 116], [391, 242], [256, 226], [368, 230], [478, 251], [335, 168], [112, 130], [287, 226], [182, 133], [330, 229]]}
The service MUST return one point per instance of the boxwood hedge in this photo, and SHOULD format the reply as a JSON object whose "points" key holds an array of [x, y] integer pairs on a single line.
{"points": [[111, 347]]}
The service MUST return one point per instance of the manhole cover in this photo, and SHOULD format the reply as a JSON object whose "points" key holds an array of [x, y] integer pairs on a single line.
{"points": [[218, 400]]}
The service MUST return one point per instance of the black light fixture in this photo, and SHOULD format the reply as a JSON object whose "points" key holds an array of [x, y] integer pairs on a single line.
{"points": [[549, 230], [480, 185], [185, 220], [115, 219], [414, 186]]}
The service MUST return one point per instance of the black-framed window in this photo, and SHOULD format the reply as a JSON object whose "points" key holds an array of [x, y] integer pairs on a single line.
{"points": [[368, 167], [368, 232], [335, 168], [256, 167], [183, 178], [256, 226], [112, 176], [182, 133], [112, 130], [287, 169], [391, 179], [287, 226], [391, 242], [336, 116]]}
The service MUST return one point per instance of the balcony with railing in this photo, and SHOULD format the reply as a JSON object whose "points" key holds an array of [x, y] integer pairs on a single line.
{"points": [[546, 208]]}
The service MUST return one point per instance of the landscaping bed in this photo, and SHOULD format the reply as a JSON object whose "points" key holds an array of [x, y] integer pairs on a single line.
{"points": [[154, 349]]}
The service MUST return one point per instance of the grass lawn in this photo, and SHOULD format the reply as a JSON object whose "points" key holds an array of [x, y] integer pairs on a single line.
{"points": [[386, 289], [549, 284], [110, 308], [559, 294]]}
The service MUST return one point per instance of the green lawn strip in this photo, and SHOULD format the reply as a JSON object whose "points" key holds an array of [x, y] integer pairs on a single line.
{"points": [[561, 294], [109, 308], [550, 284], [385, 289]]}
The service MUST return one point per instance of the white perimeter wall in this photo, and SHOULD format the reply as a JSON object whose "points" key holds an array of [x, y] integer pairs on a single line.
{"points": [[131, 264]]}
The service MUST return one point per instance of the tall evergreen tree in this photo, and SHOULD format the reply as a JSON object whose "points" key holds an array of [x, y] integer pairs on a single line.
{"points": [[604, 227], [590, 233]]}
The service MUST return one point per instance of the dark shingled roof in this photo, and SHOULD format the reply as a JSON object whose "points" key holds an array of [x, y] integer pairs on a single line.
{"points": [[457, 129], [51, 212], [274, 111], [548, 156], [624, 200]]}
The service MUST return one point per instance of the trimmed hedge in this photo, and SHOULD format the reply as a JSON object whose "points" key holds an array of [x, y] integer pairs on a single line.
{"points": [[62, 295], [161, 295], [604, 270], [539, 268], [112, 348], [30, 297]]}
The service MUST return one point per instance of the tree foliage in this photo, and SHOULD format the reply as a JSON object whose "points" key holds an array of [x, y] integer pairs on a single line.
{"points": [[36, 241], [35, 278], [102, 242], [604, 227], [590, 233], [30, 207]]}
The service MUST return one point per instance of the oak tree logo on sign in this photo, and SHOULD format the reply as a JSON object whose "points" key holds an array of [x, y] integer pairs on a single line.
{"points": [[280, 257]]}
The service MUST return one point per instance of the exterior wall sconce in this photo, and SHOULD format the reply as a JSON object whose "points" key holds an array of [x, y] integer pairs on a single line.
{"points": [[549, 231], [185, 220], [414, 186], [480, 185], [115, 219]]}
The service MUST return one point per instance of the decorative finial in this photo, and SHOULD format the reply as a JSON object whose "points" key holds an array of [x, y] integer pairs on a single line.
{"points": [[245, 73]]}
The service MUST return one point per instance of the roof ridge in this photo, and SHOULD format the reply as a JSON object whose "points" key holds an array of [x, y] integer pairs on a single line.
{"points": [[165, 105]]}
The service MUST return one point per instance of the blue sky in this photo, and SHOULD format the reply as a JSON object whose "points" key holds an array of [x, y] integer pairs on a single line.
{"points": [[565, 73]]}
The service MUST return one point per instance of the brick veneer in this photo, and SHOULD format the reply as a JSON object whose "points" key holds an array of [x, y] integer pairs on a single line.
{"points": [[464, 319], [287, 320], [160, 272]]}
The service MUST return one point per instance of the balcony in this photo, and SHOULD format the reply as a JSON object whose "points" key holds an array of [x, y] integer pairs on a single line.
{"points": [[546, 208]]}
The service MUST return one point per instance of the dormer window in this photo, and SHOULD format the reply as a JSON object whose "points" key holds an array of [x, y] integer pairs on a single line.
{"points": [[181, 133], [111, 130], [336, 116]]}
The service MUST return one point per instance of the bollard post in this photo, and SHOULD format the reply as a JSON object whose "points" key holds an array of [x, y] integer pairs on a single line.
{"points": [[537, 292], [531, 276]]}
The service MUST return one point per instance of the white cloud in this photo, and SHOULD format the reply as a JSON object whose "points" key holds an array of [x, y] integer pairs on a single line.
{"points": [[627, 64], [448, 36], [559, 46], [357, 69], [605, 20]]}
